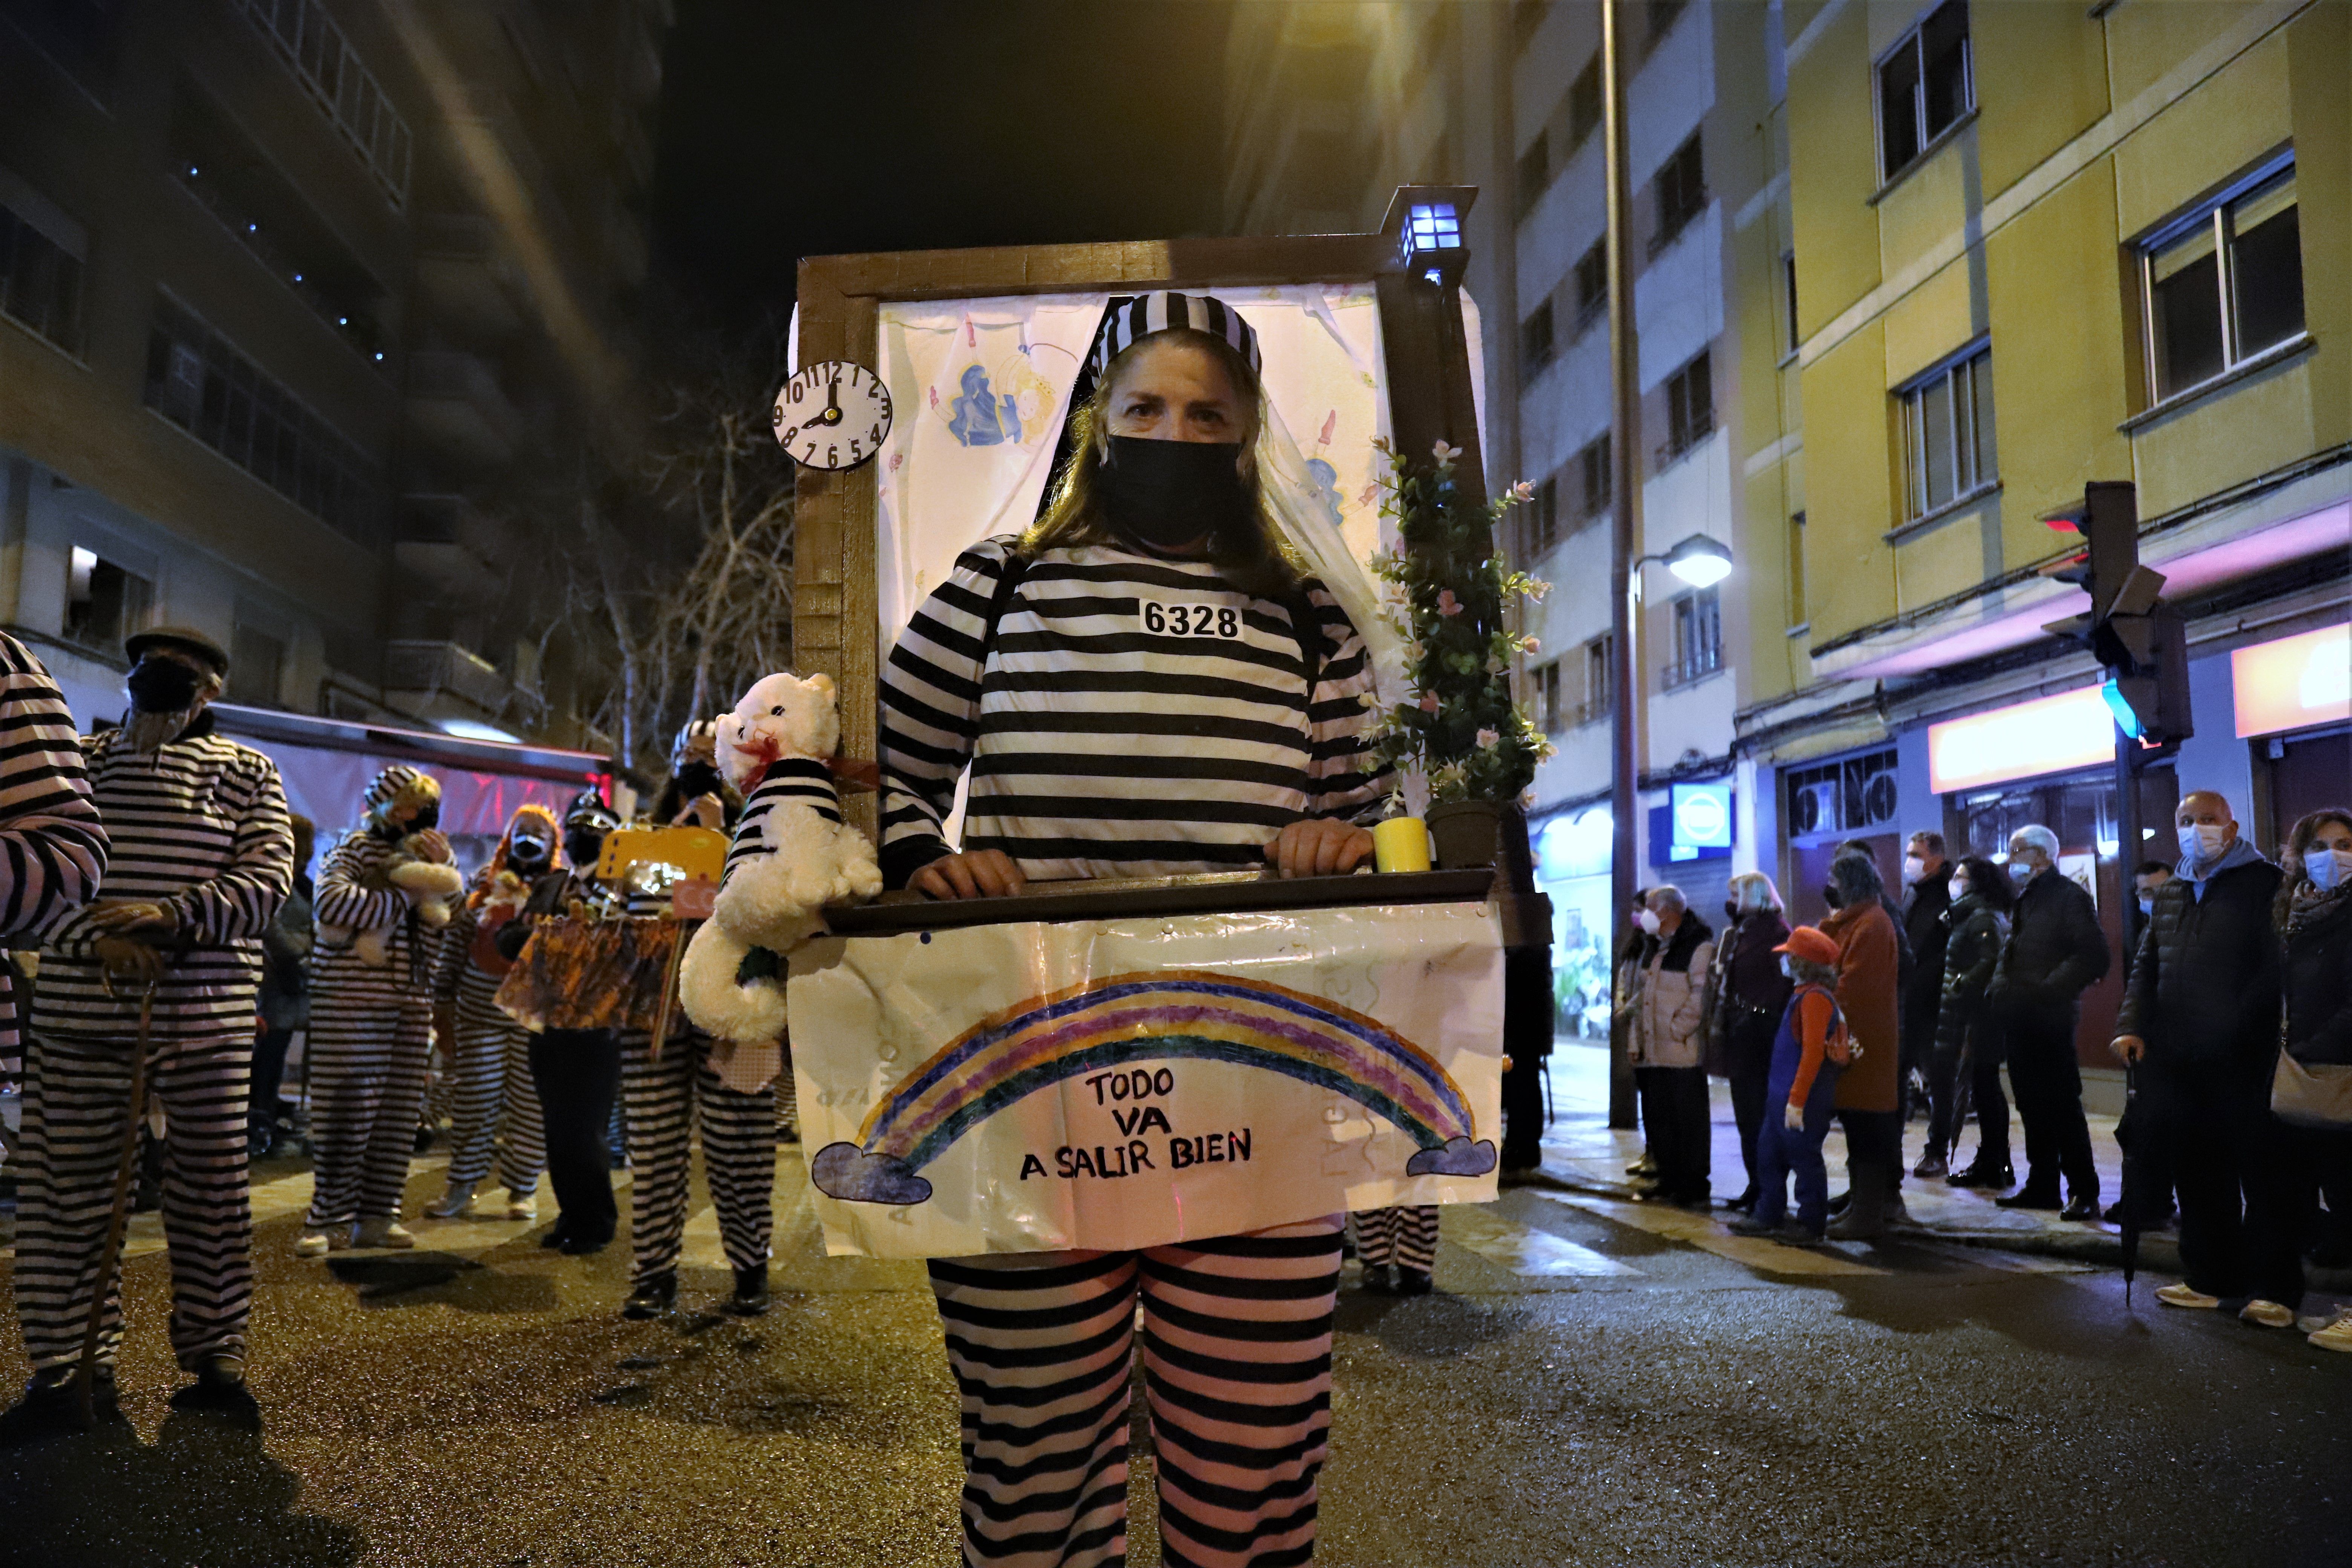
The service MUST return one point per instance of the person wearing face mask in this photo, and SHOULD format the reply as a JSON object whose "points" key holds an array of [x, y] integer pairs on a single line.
{"points": [[1148, 682], [2201, 1017], [2055, 951], [1927, 895], [2150, 876], [494, 1108], [371, 1041], [1668, 1068], [202, 856], [1869, 964], [696, 794], [1800, 1095], [1968, 1043], [1752, 992], [2311, 1154]]}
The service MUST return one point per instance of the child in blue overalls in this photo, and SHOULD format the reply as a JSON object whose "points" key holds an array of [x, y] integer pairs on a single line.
{"points": [[1811, 1048]]}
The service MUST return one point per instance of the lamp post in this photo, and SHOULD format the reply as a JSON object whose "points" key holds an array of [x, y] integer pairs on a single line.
{"points": [[1624, 530]]}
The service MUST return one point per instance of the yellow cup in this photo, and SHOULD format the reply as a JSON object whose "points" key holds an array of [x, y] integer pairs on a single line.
{"points": [[1400, 844]]}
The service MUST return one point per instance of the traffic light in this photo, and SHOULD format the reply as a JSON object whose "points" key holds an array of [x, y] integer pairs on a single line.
{"points": [[2142, 641]]}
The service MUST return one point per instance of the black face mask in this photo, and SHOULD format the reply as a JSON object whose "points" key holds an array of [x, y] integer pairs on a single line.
{"points": [[1165, 494], [697, 779], [1730, 911], [1829, 896], [582, 845], [162, 686]]}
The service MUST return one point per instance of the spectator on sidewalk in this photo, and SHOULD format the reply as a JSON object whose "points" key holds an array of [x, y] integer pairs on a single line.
{"points": [[1799, 1099], [1669, 1066], [285, 997], [1751, 992], [2313, 914], [1869, 962], [2155, 1191], [2200, 1015], [1967, 1043], [2055, 951], [2150, 876], [1926, 894], [1624, 985]]}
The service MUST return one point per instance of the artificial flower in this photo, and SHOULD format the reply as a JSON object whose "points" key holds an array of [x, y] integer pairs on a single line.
{"points": [[1447, 605], [1489, 739], [1443, 453], [1429, 701]]}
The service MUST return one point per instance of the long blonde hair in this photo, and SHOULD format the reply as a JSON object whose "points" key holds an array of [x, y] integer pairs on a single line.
{"points": [[1256, 560]]}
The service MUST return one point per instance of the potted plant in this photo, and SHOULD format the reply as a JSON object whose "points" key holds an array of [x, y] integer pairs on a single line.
{"points": [[1449, 591]]}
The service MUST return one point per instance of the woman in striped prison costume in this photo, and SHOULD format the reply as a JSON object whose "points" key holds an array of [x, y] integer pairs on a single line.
{"points": [[1144, 684], [693, 1082], [370, 1021], [201, 856], [493, 1105]]}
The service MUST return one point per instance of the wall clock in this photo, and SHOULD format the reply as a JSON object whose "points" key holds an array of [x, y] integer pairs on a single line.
{"points": [[834, 415]]}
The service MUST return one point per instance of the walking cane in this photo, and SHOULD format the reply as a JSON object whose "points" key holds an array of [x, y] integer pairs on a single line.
{"points": [[86, 1374]]}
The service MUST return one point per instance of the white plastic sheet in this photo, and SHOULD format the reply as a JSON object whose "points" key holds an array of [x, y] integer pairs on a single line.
{"points": [[1127, 1083]]}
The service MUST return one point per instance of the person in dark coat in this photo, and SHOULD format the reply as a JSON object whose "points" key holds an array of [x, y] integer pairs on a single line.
{"points": [[285, 1000], [2201, 1015], [2313, 915], [2055, 951], [1926, 894], [1967, 1047], [1751, 994]]}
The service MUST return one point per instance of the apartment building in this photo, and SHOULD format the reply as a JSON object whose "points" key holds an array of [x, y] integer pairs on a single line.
{"points": [[1329, 108], [294, 294], [2026, 247]]}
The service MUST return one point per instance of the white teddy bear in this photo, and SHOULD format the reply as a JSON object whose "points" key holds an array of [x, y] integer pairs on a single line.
{"points": [[792, 856], [431, 886]]}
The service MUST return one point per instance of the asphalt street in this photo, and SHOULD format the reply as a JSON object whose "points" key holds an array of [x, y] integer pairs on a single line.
{"points": [[1595, 1381]]}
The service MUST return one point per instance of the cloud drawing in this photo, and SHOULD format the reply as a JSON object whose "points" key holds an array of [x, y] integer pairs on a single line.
{"points": [[1460, 1157], [845, 1171]]}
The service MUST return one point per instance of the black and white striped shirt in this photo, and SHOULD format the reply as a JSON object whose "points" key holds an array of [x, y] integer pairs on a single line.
{"points": [[199, 827], [53, 844], [1135, 717], [794, 781]]}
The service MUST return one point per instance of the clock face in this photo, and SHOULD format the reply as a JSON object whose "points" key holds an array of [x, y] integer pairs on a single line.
{"points": [[832, 415]]}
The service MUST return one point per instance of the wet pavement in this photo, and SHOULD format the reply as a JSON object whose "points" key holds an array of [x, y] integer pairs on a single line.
{"points": [[1596, 1381]]}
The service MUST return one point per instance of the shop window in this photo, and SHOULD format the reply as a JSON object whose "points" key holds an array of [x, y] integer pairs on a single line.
{"points": [[1681, 189], [40, 282], [1592, 285], [1595, 476], [1799, 611], [1535, 342], [1948, 437], [1855, 795], [104, 603], [1690, 408], [2225, 285], [1926, 83], [257, 667], [1535, 174], [1698, 637], [1600, 678], [1584, 104]]}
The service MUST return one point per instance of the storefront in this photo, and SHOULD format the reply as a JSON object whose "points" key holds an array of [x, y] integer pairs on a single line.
{"points": [[2293, 701], [1572, 852]]}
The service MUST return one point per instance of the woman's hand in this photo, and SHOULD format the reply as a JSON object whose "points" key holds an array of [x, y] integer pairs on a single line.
{"points": [[982, 874], [1792, 1116], [1318, 847]]}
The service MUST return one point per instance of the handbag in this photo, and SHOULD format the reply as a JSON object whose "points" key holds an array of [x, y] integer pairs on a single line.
{"points": [[2318, 1096]]}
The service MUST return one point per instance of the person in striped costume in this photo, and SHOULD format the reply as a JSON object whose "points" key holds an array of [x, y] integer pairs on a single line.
{"points": [[494, 1106], [1145, 683], [203, 855], [371, 1017]]}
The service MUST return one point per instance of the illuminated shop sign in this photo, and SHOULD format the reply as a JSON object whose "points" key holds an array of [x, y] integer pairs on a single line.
{"points": [[2294, 683], [1701, 814], [2048, 735]]}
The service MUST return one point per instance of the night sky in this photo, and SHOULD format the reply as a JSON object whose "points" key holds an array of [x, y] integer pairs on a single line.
{"points": [[791, 129]]}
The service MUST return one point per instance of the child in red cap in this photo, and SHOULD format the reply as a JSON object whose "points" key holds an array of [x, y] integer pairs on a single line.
{"points": [[1799, 1092]]}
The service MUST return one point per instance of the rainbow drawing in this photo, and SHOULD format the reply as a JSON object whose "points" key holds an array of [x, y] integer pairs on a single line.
{"points": [[1121, 1018]]}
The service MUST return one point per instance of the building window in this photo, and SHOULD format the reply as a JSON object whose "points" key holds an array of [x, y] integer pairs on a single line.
{"points": [[1535, 342], [1947, 433], [257, 666], [1592, 285], [2225, 285], [104, 603], [1797, 610], [1543, 518], [1599, 683], [1597, 476], [199, 383], [40, 282], [1698, 637], [315, 50], [1535, 174], [1690, 408], [1857, 794], [1789, 298], [1682, 193], [1924, 85], [1584, 104], [1546, 681]]}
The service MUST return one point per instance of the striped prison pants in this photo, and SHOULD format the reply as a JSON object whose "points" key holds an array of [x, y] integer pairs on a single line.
{"points": [[77, 1096], [1405, 1236], [493, 1104], [370, 1038], [1237, 1372], [666, 1097]]}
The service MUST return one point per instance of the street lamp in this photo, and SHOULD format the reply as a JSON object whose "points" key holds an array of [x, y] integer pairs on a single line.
{"points": [[1699, 560]]}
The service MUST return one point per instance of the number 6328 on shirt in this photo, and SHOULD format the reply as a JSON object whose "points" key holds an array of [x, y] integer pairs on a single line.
{"points": [[1191, 620]]}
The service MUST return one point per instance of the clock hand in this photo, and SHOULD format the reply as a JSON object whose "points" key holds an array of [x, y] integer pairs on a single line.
{"points": [[832, 404]]}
